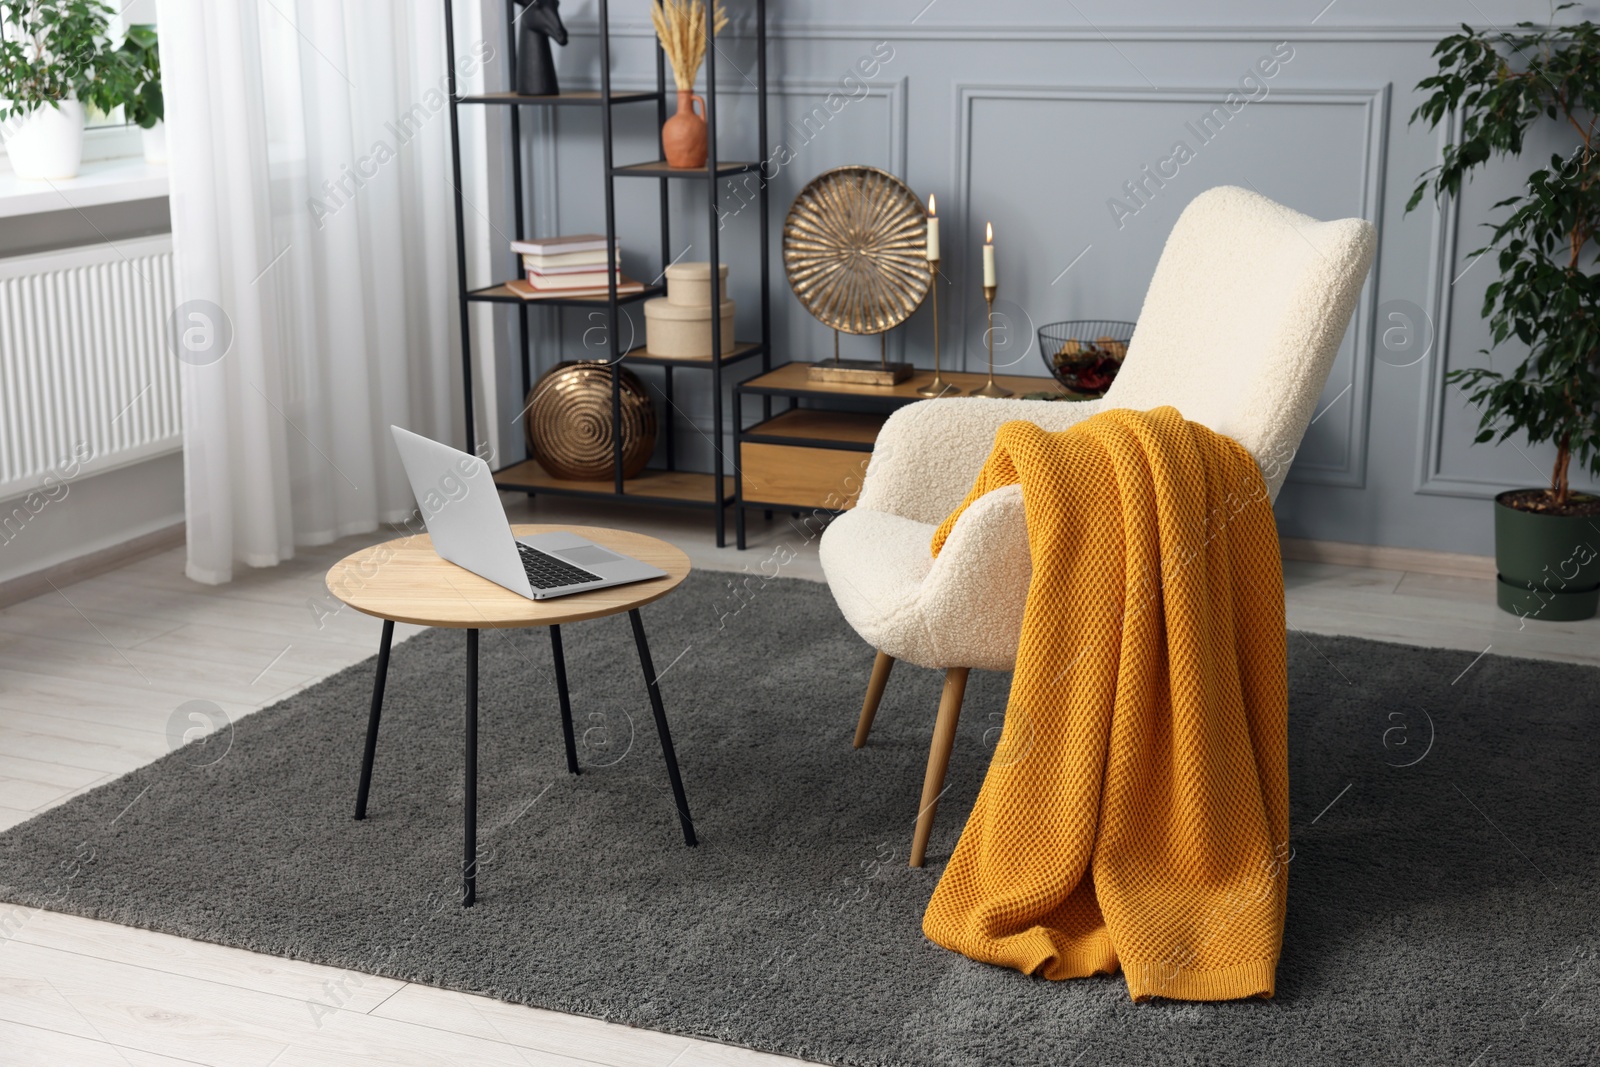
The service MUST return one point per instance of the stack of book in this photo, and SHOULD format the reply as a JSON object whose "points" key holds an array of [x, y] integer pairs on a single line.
{"points": [[574, 266]]}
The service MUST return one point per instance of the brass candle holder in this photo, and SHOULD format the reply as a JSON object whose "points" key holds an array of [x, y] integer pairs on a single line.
{"points": [[989, 388], [937, 387]]}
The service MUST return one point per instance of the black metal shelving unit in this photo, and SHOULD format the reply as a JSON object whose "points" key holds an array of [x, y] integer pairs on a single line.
{"points": [[670, 486]]}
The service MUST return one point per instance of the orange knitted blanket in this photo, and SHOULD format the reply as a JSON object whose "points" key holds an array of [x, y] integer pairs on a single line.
{"points": [[1136, 809]]}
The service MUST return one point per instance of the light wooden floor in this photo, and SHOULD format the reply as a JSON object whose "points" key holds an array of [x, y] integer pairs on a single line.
{"points": [[91, 674]]}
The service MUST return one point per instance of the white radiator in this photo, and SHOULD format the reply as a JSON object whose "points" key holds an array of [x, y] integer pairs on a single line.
{"points": [[88, 382]]}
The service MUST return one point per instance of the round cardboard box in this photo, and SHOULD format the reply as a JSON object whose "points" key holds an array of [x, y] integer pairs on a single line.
{"points": [[672, 331], [689, 284]]}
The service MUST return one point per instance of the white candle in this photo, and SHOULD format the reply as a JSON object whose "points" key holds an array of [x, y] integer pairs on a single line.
{"points": [[988, 256], [933, 231]]}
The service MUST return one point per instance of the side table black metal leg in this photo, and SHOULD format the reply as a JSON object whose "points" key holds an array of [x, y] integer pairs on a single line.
{"points": [[566, 702], [469, 859], [372, 719], [661, 727]]}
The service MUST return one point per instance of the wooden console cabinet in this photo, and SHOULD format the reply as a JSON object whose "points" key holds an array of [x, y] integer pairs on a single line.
{"points": [[812, 456]]}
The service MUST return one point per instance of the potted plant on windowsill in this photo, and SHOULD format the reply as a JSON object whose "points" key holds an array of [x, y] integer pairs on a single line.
{"points": [[50, 57], [130, 77], [1547, 540], [50, 63]]}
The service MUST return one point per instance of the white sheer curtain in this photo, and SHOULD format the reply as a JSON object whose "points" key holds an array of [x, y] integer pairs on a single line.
{"points": [[311, 220]]}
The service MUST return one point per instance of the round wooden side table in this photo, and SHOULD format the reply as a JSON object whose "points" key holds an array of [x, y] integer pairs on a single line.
{"points": [[405, 580]]}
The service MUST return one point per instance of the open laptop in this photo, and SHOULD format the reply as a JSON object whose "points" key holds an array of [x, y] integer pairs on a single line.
{"points": [[461, 507]]}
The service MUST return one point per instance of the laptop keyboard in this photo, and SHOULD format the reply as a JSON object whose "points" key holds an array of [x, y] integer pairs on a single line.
{"points": [[546, 572]]}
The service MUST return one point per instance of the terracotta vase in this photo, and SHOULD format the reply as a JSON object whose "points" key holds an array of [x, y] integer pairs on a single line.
{"points": [[683, 136]]}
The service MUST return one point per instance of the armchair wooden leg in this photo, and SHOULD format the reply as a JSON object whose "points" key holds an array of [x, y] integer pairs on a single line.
{"points": [[944, 736], [869, 707]]}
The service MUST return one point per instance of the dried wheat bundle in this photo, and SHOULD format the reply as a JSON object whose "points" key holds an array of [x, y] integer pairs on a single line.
{"points": [[681, 26]]}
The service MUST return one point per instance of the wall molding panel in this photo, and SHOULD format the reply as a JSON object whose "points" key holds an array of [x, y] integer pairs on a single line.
{"points": [[1374, 103], [1441, 305], [1445, 271]]}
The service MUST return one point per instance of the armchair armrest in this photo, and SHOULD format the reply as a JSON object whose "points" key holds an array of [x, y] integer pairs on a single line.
{"points": [[974, 595], [963, 609], [928, 453]]}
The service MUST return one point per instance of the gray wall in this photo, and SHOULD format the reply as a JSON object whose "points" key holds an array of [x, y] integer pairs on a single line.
{"points": [[1033, 115], [23, 235]]}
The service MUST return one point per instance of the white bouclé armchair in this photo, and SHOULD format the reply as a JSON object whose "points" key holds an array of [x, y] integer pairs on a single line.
{"points": [[1239, 329]]}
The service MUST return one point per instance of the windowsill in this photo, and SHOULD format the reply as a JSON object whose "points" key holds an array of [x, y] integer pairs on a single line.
{"points": [[103, 181]]}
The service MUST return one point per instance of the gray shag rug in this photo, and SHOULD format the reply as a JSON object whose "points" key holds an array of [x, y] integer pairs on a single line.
{"points": [[1444, 890]]}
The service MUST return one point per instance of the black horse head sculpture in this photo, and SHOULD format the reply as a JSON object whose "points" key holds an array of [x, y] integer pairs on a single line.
{"points": [[540, 22]]}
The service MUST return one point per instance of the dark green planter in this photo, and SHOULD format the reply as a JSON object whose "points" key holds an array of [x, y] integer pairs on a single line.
{"points": [[1549, 564]]}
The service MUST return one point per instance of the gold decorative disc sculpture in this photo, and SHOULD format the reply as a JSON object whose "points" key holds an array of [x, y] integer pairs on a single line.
{"points": [[855, 252], [568, 422]]}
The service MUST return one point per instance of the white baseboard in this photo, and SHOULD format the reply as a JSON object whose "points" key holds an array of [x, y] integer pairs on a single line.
{"points": [[28, 586], [1381, 557]]}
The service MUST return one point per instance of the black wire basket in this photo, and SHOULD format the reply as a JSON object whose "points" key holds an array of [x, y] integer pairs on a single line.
{"points": [[1085, 354]]}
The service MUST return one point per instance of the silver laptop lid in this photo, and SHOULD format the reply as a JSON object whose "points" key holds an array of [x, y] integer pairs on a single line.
{"points": [[461, 507]]}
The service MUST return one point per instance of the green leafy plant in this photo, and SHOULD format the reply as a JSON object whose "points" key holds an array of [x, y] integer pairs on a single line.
{"points": [[129, 76], [141, 54], [50, 51], [1548, 294]]}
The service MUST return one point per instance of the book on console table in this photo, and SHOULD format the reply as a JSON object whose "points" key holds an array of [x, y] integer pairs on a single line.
{"points": [[859, 371], [625, 287]]}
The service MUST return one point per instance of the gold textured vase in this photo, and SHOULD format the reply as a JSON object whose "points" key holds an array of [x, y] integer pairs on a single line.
{"points": [[568, 420]]}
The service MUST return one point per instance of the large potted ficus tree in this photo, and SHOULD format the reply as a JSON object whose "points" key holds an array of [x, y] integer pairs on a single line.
{"points": [[1547, 298], [52, 54]]}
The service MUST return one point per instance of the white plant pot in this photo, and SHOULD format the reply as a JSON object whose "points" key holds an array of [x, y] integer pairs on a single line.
{"points": [[155, 143], [47, 143]]}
